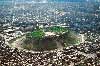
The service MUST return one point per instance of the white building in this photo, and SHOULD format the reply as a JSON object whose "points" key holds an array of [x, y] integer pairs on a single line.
{"points": [[82, 38]]}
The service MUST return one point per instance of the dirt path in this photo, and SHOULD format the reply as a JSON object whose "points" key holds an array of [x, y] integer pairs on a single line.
{"points": [[60, 47], [17, 43]]}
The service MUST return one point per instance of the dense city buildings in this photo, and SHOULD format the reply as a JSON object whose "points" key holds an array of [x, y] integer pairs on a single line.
{"points": [[49, 33]]}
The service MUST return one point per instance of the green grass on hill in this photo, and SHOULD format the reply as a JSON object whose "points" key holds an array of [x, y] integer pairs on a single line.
{"points": [[57, 29], [35, 40], [37, 34]]}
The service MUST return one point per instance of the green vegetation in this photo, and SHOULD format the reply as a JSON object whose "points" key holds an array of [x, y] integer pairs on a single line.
{"points": [[36, 40], [58, 29], [37, 34], [69, 38]]}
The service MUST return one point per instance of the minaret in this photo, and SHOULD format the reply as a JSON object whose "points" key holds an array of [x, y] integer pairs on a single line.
{"points": [[82, 38]]}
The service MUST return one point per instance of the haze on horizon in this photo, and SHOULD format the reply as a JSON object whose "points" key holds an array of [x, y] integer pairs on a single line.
{"points": [[47, 1]]}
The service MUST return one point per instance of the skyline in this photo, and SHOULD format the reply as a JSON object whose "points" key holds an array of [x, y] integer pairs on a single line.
{"points": [[48, 1]]}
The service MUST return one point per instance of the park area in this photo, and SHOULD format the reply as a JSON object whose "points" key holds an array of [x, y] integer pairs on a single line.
{"points": [[57, 38]]}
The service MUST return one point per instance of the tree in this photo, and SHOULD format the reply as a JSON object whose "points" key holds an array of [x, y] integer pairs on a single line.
{"points": [[37, 34], [58, 29]]}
